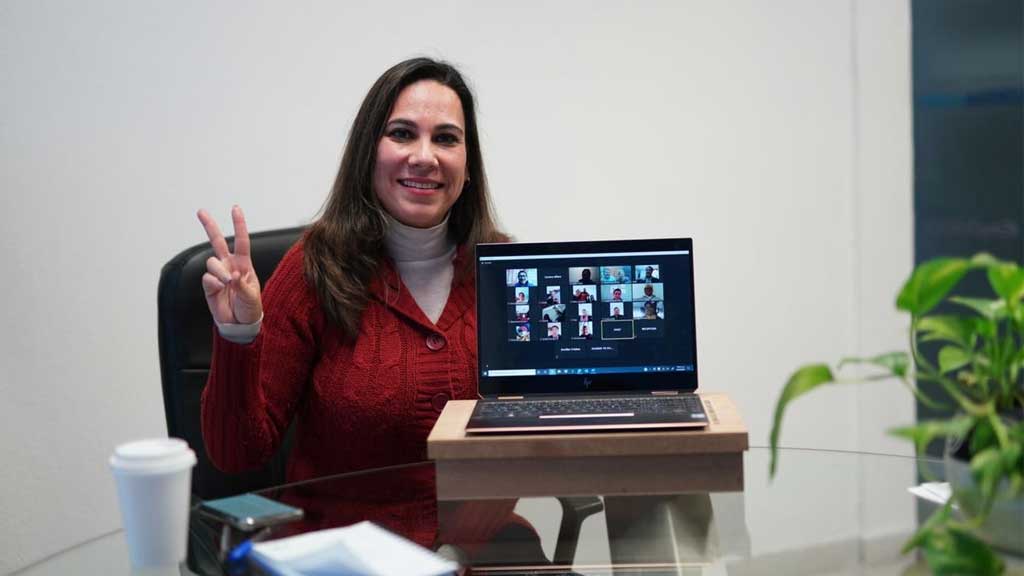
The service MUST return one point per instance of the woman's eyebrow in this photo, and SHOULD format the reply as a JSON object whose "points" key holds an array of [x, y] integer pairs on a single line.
{"points": [[452, 127], [440, 127], [402, 122]]}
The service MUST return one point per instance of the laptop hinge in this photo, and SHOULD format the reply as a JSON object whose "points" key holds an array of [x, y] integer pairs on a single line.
{"points": [[664, 392], [510, 397]]}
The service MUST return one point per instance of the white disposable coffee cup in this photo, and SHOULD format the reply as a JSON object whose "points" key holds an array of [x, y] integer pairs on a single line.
{"points": [[154, 481]]}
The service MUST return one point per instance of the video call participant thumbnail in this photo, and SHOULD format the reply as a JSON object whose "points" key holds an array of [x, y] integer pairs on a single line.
{"points": [[586, 330], [645, 292], [583, 275], [519, 295], [618, 310], [582, 294], [617, 292], [584, 312], [650, 310], [554, 330], [522, 313], [520, 332], [618, 330], [552, 313], [647, 273], [615, 274], [554, 295], [523, 277]]}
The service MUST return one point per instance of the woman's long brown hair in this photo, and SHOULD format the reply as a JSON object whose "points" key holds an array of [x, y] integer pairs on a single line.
{"points": [[344, 248]]}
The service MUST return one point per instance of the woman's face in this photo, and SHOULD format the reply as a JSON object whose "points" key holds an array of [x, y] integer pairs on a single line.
{"points": [[421, 159]]}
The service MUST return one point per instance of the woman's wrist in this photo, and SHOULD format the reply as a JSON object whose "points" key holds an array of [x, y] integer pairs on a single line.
{"points": [[240, 333]]}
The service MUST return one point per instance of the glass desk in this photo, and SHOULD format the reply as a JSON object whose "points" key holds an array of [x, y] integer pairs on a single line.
{"points": [[826, 512]]}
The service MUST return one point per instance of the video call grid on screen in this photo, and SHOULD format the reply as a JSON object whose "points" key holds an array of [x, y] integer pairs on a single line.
{"points": [[594, 311]]}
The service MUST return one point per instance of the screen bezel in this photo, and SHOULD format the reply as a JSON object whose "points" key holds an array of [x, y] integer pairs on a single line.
{"points": [[494, 386]]}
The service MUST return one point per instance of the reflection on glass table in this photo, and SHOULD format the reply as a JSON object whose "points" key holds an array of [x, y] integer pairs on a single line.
{"points": [[826, 513]]}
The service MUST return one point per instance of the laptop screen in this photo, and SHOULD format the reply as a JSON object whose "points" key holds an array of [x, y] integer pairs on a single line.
{"points": [[586, 316]]}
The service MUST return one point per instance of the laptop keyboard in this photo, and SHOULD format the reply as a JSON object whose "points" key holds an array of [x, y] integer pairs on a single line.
{"points": [[682, 404]]}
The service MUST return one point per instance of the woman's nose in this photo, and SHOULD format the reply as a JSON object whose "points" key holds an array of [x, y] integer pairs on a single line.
{"points": [[422, 155]]}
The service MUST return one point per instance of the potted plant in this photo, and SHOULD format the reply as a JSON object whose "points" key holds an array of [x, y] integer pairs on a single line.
{"points": [[978, 370]]}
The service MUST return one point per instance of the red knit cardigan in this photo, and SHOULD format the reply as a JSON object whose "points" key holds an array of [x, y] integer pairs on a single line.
{"points": [[356, 405]]}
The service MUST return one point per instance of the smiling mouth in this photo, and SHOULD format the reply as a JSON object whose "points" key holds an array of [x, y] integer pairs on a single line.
{"points": [[420, 185]]}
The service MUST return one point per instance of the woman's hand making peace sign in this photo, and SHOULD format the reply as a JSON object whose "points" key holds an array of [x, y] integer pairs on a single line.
{"points": [[230, 283]]}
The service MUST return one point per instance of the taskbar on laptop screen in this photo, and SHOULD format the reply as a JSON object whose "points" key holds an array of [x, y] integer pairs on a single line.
{"points": [[599, 309], [599, 370]]}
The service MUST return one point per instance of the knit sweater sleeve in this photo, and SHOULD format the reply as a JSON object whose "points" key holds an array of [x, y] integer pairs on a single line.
{"points": [[253, 389]]}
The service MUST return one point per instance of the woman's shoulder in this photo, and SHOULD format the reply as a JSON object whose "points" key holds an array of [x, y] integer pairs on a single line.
{"points": [[289, 280], [291, 266]]}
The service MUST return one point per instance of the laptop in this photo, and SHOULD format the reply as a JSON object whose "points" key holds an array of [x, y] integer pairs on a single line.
{"points": [[575, 336]]}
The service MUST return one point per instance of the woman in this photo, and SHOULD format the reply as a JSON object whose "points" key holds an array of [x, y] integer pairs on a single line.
{"points": [[367, 327]]}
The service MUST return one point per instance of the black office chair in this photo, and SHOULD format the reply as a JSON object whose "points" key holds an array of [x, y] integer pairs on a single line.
{"points": [[186, 343]]}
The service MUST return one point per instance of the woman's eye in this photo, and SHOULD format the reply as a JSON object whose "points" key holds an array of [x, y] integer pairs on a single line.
{"points": [[400, 134], [446, 138]]}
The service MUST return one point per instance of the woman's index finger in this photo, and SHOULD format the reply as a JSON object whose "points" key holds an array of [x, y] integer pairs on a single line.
{"points": [[241, 232], [220, 246]]}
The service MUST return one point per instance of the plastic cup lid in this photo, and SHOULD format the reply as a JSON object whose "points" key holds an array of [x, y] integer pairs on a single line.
{"points": [[152, 456]]}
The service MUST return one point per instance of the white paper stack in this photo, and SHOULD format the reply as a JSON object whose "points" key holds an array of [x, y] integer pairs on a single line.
{"points": [[363, 549]]}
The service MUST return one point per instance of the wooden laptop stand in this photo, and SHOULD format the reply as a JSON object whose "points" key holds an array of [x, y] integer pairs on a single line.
{"points": [[595, 463]]}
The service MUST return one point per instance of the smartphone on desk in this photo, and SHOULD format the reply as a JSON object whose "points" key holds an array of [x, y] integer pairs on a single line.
{"points": [[248, 512]]}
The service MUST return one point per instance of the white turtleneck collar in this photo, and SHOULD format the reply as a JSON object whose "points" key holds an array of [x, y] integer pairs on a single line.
{"points": [[423, 257], [406, 243]]}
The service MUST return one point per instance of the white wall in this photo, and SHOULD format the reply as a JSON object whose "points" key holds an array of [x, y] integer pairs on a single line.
{"points": [[776, 134]]}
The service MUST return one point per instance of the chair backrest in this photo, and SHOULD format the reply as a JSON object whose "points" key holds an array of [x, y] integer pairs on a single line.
{"points": [[186, 341]]}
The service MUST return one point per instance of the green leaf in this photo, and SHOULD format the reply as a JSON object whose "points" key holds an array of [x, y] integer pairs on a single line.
{"points": [[987, 469], [957, 551], [929, 284], [896, 362], [955, 329], [1007, 279], [1011, 457], [984, 260], [933, 523], [922, 434], [1013, 464], [1016, 432], [993, 309], [982, 436], [952, 357], [802, 381]]}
